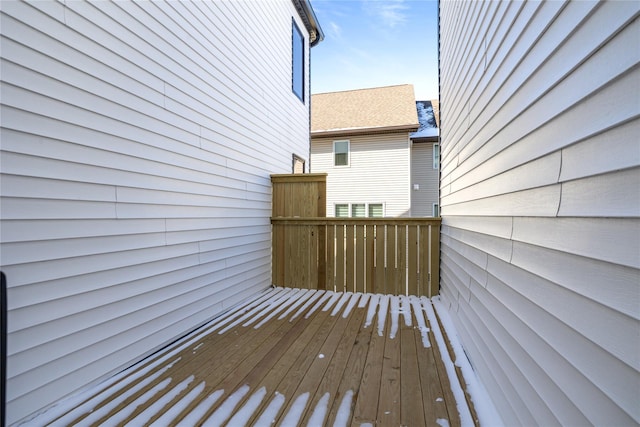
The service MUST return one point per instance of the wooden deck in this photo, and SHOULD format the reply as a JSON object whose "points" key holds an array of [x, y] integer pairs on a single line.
{"points": [[288, 357]]}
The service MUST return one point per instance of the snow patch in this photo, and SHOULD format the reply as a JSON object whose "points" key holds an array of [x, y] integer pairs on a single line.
{"points": [[395, 314], [405, 309], [442, 422], [272, 309], [199, 411], [305, 294], [124, 413], [246, 411], [487, 413], [371, 311], [327, 296], [345, 296], [225, 410], [320, 411], [364, 298], [352, 302], [344, 411], [314, 296], [143, 418], [114, 403], [331, 301], [295, 412], [422, 326], [458, 393], [268, 416], [172, 413], [382, 313]]}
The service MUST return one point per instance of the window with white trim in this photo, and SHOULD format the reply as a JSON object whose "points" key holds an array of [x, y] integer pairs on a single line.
{"points": [[341, 153], [359, 210], [297, 61], [342, 210], [376, 210]]}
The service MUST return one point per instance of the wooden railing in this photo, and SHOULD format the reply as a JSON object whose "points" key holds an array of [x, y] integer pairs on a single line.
{"points": [[397, 256]]}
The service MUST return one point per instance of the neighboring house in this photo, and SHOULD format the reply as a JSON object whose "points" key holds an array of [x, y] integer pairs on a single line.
{"points": [[425, 163], [540, 171], [362, 140], [135, 174]]}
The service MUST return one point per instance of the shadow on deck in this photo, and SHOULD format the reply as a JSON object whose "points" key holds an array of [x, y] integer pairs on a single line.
{"points": [[288, 357]]}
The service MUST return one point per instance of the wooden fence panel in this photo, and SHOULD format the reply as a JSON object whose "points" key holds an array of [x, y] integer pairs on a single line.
{"points": [[390, 255]]}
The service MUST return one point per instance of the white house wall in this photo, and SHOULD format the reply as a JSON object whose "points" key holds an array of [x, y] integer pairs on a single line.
{"points": [[378, 172], [137, 143], [425, 177], [540, 204]]}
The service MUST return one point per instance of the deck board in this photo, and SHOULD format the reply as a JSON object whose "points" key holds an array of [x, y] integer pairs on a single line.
{"points": [[313, 356]]}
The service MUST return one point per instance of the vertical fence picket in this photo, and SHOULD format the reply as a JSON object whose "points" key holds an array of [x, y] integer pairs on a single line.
{"points": [[370, 257], [412, 261], [360, 258]]}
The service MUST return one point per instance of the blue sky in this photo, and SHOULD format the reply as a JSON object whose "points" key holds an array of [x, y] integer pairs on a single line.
{"points": [[371, 43]]}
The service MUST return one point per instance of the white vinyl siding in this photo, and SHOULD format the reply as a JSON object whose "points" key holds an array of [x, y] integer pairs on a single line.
{"points": [[540, 260], [424, 179], [137, 143], [378, 171]]}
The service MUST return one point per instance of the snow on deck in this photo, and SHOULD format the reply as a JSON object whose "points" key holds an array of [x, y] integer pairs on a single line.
{"points": [[295, 357]]}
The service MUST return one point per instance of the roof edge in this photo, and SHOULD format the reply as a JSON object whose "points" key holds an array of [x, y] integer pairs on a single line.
{"points": [[360, 131], [305, 10]]}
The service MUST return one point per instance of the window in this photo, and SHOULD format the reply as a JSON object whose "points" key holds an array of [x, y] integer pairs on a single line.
{"points": [[297, 164], [436, 156], [436, 210], [342, 210], [297, 66], [341, 153], [375, 210], [358, 210]]}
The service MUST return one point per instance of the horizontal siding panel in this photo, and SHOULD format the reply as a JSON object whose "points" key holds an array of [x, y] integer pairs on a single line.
{"points": [[543, 201], [587, 159], [612, 240], [522, 344], [34, 230], [498, 348], [538, 173], [601, 377], [492, 245], [495, 226], [598, 323], [96, 354], [609, 195], [609, 284]]}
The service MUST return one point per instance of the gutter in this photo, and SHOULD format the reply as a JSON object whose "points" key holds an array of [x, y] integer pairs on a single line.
{"points": [[364, 131], [305, 10]]}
